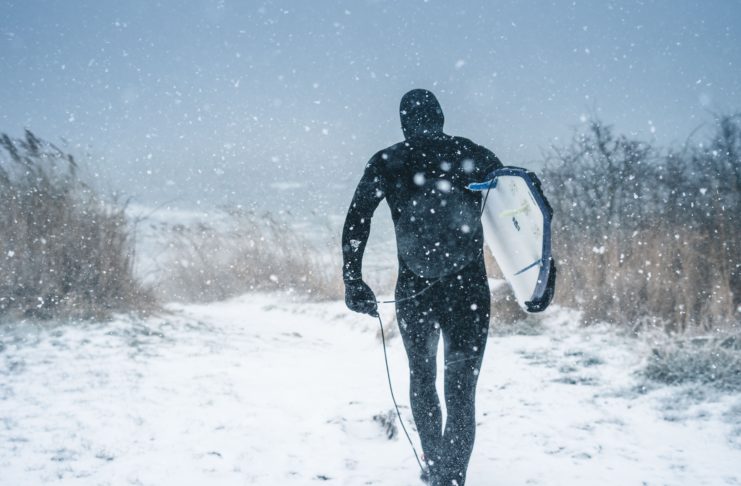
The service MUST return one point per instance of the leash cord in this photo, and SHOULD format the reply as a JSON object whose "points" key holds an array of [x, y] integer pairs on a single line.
{"points": [[393, 397]]}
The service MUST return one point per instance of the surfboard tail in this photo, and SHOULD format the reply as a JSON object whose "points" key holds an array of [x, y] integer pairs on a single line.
{"points": [[543, 300]]}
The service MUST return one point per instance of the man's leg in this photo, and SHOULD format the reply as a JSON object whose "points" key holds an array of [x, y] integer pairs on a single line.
{"points": [[420, 332], [465, 329]]}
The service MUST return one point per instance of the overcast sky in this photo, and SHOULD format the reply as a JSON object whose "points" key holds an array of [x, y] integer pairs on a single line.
{"points": [[280, 104]]}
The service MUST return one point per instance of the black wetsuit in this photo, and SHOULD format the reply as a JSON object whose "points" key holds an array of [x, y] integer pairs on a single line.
{"points": [[439, 239]]}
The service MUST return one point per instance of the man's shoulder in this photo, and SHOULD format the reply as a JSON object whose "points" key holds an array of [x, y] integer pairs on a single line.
{"points": [[385, 157], [466, 143], [394, 149]]}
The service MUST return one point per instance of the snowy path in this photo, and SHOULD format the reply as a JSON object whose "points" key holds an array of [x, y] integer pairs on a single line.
{"points": [[256, 392]]}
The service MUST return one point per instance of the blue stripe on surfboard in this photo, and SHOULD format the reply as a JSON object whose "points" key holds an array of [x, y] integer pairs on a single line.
{"points": [[536, 262], [482, 186]]}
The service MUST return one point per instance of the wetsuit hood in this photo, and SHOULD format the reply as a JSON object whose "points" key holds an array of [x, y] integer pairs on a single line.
{"points": [[420, 113]]}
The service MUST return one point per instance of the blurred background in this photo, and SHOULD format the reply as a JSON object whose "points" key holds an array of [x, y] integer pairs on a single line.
{"points": [[279, 104]]}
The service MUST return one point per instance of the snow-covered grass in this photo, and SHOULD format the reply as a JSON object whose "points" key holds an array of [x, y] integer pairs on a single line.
{"points": [[209, 256], [262, 390], [711, 359]]}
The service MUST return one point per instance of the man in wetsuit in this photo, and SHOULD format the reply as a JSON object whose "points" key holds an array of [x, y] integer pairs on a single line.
{"points": [[442, 285]]}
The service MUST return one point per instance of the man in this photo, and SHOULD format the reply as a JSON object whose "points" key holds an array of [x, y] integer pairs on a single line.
{"points": [[442, 285]]}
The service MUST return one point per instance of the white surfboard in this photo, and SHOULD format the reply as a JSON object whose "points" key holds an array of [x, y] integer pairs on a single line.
{"points": [[517, 227]]}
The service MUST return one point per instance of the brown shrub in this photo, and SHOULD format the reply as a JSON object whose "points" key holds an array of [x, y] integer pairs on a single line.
{"points": [[64, 252], [645, 238]]}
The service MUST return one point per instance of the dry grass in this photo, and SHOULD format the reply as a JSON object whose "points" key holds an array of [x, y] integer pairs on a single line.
{"points": [[655, 278], [249, 252], [64, 252]]}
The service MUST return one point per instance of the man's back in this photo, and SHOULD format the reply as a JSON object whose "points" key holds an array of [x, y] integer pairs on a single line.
{"points": [[437, 220], [424, 178]]}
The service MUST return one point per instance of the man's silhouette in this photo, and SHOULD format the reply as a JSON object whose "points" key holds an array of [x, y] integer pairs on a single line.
{"points": [[442, 285]]}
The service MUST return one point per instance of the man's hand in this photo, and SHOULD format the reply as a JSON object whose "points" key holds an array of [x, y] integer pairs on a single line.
{"points": [[360, 298]]}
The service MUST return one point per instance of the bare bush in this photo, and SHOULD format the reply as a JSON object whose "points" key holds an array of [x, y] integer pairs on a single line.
{"points": [[649, 238], [249, 252], [64, 252]]}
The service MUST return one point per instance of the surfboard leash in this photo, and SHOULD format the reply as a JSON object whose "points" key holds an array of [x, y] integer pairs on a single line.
{"points": [[393, 397]]}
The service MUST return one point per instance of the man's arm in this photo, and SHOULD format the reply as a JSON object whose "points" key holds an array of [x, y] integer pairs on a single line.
{"points": [[368, 195]]}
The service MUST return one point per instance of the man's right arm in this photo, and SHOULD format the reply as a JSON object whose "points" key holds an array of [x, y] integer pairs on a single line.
{"points": [[355, 233]]}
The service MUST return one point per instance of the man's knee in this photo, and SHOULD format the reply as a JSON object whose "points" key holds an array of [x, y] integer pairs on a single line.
{"points": [[422, 371]]}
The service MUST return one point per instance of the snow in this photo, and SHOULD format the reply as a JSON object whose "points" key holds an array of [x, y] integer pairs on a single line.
{"points": [[262, 390]]}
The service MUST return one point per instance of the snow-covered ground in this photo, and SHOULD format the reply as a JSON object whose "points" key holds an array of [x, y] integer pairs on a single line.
{"points": [[259, 390]]}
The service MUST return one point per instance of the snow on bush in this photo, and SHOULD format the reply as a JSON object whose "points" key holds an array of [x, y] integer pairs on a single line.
{"points": [[714, 360]]}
